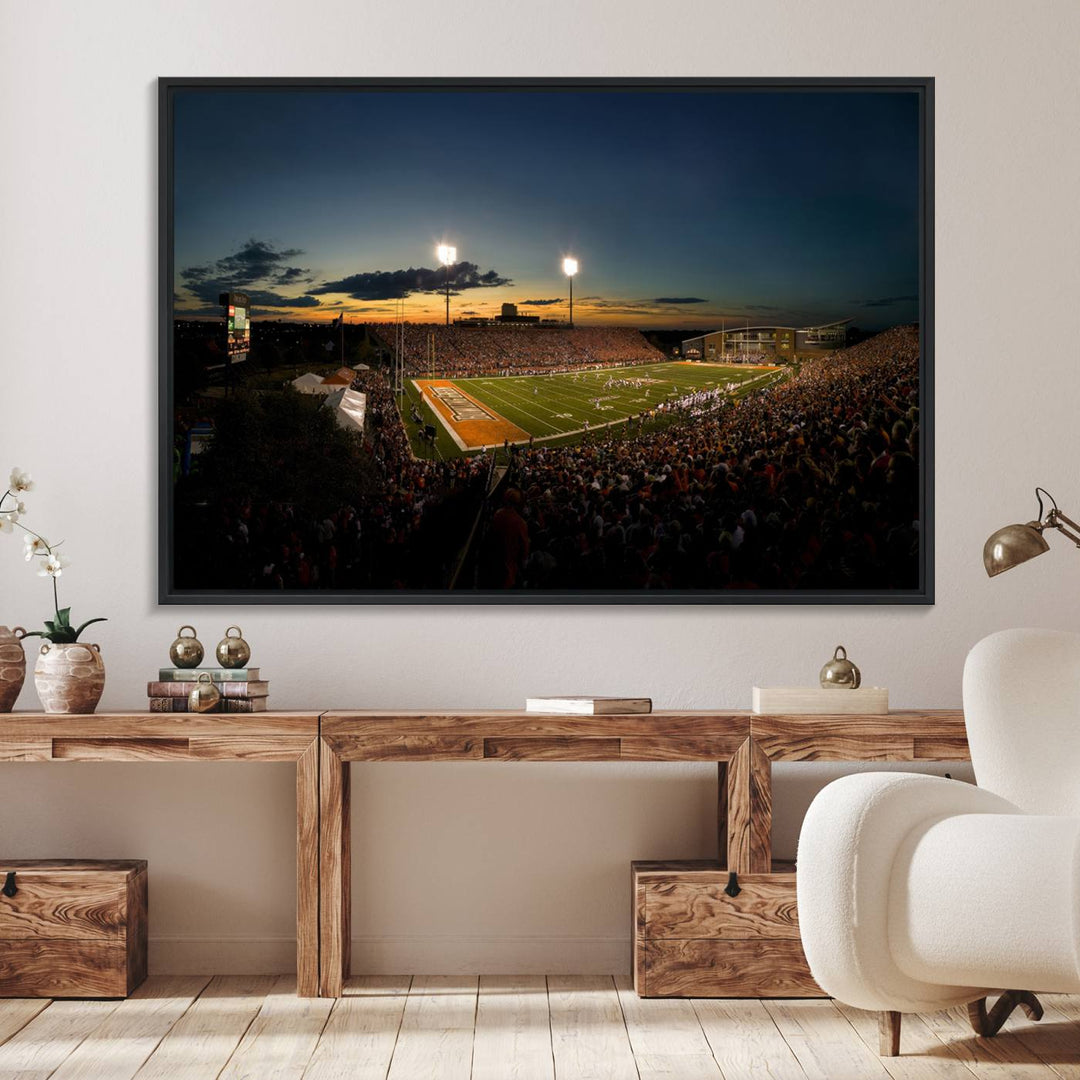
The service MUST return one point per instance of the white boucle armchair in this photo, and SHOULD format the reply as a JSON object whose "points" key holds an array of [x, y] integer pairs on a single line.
{"points": [[918, 893]]}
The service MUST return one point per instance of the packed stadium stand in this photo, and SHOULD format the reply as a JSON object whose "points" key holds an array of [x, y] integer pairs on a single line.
{"points": [[523, 350], [812, 482]]}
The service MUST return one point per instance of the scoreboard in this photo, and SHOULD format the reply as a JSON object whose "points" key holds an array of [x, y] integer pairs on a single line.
{"points": [[237, 324]]}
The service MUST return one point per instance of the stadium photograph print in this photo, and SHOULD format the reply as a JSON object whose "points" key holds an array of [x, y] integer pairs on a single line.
{"points": [[547, 341]]}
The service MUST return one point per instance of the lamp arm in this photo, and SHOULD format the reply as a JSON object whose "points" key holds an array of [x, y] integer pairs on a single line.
{"points": [[1055, 518]]}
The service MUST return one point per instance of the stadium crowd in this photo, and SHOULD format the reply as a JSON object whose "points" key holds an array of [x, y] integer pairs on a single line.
{"points": [[809, 484], [518, 350]]}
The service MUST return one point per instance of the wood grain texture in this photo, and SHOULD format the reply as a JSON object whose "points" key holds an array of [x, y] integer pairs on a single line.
{"points": [[722, 812], [513, 1032], [307, 871], [137, 927], [436, 1036], [16, 1013], [923, 1055], [120, 749], [140, 725], [199, 1044], [748, 967], [826, 1045], [359, 1039], [40, 1048], [749, 810], [589, 1040], [745, 1042], [1005, 1055], [74, 904], [891, 737], [248, 747], [129, 1035], [415, 747], [282, 1037], [705, 732], [665, 1036], [334, 870], [25, 749], [552, 748], [764, 908], [36, 967], [678, 747], [73, 929]]}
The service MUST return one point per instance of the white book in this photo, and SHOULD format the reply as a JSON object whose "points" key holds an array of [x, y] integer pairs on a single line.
{"points": [[588, 706]]}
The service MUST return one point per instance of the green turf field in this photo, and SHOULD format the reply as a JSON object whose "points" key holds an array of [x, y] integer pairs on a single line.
{"points": [[555, 408]]}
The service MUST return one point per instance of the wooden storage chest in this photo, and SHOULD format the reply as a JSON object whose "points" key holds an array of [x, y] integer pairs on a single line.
{"points": [[692, 939], [72, 928]]}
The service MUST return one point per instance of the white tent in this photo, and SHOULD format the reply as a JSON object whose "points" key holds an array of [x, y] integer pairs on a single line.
{"points": [[312, 384], [349, 408]]}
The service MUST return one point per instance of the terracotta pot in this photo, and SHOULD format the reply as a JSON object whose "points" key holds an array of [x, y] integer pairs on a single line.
{"points": [[12, 666], [69, 678]]}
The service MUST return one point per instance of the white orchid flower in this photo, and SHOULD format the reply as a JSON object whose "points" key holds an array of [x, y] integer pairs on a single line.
{"points": [[20, 507], [54, 565], [7, 520], [20, 481], [34, 545]]}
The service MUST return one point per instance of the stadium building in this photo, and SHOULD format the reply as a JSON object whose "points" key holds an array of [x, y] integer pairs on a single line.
{"points": [[774, 342]]}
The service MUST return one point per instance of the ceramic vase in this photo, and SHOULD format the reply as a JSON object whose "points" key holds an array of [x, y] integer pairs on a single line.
{"points": [[69, 678], [12, 666]]}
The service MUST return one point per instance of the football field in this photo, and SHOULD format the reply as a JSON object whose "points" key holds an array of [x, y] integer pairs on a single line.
{"points": [[471, 413]]}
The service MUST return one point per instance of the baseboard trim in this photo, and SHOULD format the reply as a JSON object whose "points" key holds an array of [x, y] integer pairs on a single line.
{"points": [[394, 954]]}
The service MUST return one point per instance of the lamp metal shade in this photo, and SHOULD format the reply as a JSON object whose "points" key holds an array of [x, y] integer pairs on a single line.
{"points": [[1012, 545]]}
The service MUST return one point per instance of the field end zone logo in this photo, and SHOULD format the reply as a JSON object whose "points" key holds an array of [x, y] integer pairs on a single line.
{"points": [[461, 407]]}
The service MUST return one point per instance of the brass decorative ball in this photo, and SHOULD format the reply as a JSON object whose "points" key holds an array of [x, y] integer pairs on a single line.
{"points": [[233, 652], [186, 651], [840, 673]]}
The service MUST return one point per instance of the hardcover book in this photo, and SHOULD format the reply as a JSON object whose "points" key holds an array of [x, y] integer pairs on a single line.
{"points": [[188, 674], [230, 705], [225, 689], [588, 706]]}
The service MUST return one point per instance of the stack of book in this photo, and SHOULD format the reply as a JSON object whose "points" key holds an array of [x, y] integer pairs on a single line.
{"points": [[241, 689]]}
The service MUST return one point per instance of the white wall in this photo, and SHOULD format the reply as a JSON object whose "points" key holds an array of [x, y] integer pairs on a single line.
{"points": [[495, 867]]}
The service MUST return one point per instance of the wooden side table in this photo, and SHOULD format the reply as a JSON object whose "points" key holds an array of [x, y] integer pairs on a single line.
{"points": [[503, 736], [259, 737]]}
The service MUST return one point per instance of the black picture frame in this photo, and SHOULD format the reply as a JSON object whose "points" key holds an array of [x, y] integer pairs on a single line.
{"points": [[923, 594]]}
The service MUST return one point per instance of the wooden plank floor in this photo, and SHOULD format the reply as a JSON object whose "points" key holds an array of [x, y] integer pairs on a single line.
{"points": [[524, 1027]]}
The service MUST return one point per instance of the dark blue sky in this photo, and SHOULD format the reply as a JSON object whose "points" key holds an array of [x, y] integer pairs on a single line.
{"points": [[684, 209]]}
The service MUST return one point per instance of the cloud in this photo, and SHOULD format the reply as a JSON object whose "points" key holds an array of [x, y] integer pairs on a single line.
{"points": [[396, 284], [679, 300], [544, 303], [257, 268], [887, 301]]}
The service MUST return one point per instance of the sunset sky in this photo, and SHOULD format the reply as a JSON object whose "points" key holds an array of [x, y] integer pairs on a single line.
{"points": [[684, 209]]}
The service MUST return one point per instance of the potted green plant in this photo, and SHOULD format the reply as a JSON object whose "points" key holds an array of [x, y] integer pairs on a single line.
{"points": [[69, 674]]}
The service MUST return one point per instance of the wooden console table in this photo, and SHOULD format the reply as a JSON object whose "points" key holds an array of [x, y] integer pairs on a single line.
{"points": [[269, 736], [742, 744], [322, 745]]}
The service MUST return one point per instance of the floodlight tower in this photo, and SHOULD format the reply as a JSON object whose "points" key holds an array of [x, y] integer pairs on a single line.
{"points": [[570, 268], [447, 255]]}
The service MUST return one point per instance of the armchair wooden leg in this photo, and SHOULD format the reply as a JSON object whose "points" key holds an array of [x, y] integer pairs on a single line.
{"points": [[889, 1033], [988, 1024]]}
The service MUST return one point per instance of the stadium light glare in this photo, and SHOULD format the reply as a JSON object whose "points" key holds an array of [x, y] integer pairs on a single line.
{"points": [[570, 268], [447, 255]]}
